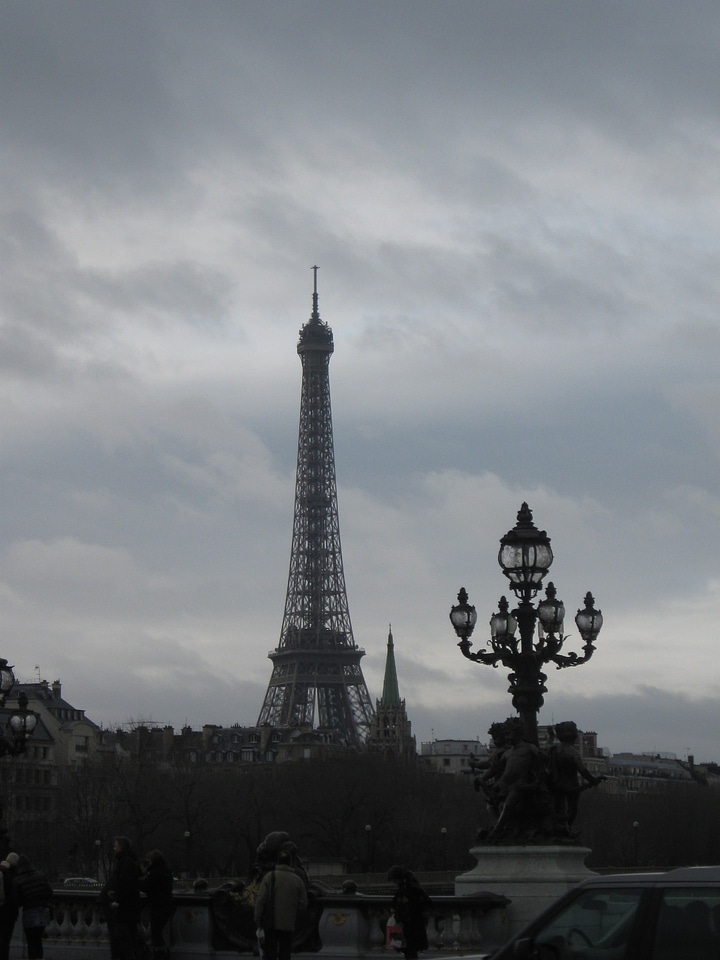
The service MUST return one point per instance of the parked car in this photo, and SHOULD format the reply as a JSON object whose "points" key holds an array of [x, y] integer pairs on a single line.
{"points": [[81, 882], [646, 916]]}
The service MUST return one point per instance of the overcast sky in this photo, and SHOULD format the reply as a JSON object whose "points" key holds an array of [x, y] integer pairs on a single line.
{"points": [[515, 209]]}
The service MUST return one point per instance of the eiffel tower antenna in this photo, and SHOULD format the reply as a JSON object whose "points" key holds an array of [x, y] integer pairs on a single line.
{"points": [[316, 677]]}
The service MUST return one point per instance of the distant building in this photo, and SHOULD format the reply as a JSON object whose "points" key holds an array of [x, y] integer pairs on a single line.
{"points": [[390, 729], [29, 782], [651, 772], [216, 745], [74, 736], [452, 756]]}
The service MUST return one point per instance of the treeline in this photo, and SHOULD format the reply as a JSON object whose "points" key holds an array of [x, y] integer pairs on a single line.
{"points": [[365, 810], [677, 824]]}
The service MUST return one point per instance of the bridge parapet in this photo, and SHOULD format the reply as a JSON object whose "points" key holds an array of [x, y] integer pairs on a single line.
{"points": [[350, 925]]}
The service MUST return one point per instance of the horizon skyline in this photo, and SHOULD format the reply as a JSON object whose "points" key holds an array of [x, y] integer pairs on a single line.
{"points": [[155, 724]]}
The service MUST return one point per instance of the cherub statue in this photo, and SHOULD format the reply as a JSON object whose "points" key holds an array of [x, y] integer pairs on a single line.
{"points": [[565, 772], [521, 789], [493, 767]]}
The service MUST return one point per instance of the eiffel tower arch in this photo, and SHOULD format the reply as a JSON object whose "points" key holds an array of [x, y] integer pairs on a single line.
{"points": [[317, 678]]}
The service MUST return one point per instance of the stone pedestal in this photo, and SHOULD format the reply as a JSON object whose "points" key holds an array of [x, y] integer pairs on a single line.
{"points": [[532, 877]]}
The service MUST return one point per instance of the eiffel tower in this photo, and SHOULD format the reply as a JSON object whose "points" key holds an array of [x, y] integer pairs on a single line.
{"points": [[316, 677]]}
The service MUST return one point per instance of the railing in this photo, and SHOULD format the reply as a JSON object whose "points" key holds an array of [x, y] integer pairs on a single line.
{"points": [[350, 925], [354, 925]]}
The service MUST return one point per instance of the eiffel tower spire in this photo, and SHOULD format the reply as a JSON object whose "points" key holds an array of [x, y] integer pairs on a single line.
{"points": [[316, 677]]}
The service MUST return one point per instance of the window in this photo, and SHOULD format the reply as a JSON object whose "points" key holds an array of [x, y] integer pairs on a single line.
{"points": [[597, 924], [688, 926]]}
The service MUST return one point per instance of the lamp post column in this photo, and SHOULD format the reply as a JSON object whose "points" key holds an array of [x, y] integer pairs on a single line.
{"points": [[188, 842], [369, 846], [527, 681]]}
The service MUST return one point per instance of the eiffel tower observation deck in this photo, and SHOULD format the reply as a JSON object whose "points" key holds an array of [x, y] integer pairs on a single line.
{"points": [[317, 678]]}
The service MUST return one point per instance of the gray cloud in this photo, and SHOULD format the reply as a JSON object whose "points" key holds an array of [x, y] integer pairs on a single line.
{"points": [[515, 213]]}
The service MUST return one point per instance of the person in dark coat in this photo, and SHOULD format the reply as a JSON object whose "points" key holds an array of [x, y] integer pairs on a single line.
{"points": [[280, 899], [33, 894], [157, 885], [8, 906], [121, 898], [408, 906]]}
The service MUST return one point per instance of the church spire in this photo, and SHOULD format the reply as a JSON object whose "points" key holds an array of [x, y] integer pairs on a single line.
{"points": [[391, 691], [390, 729]]}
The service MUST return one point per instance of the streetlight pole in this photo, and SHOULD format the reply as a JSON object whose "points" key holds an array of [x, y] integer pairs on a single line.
{"points": [[188, 841], [525, 557], [636, 825], [21, 723], [368, 846]]}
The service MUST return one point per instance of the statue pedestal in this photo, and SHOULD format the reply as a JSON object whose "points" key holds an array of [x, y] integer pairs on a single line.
{"points": [[532, 877]]}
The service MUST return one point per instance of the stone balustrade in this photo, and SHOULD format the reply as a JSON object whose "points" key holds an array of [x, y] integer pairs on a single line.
{"points": [[351, 925]]}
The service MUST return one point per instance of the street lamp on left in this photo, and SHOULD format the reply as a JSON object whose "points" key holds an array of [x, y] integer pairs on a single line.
{"points": [[21, 722], [7, 680]]}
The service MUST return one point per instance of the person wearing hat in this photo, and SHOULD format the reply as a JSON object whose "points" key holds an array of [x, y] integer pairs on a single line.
{"points": [[409, 906], [32, 893], [279, 900], [8, 905]]}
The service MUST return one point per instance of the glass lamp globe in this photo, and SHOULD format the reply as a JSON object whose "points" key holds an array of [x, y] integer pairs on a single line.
{"points": [[525, 554]]}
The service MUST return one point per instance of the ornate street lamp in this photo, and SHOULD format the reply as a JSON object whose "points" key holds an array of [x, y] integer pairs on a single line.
{"points": [[21, 724], [7, 680], [525, 557]]}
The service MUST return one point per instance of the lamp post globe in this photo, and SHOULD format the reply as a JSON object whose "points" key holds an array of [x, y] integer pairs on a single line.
{"points": [[589, 621], [463, 617], [22, 721], [525, 555], [551, 611]]}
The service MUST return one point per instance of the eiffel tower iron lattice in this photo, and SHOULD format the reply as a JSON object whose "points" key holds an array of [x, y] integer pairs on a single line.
{"points": [[316, 677]]}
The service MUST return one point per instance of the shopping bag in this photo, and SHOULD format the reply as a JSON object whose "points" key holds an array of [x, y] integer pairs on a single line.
{"points": [[393, 934]]}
